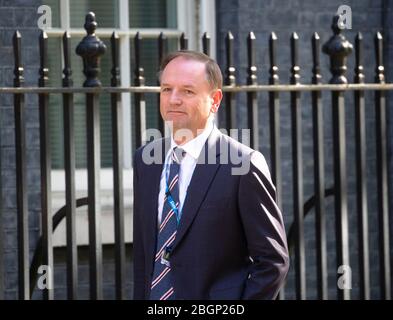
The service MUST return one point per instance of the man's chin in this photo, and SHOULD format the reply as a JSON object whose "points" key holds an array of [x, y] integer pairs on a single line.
{"points": [[176, 124], [182, 134]]}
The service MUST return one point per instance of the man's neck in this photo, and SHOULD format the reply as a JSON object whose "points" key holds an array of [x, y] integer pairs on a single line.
{"points": [[181, 138], [181, 135]]}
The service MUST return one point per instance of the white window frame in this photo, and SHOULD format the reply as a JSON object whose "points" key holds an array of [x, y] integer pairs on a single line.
{"points": [[194, 17]]}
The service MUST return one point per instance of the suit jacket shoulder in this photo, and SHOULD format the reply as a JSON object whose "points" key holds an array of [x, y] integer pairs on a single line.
{"points": [[243, 156], [153, 152]]}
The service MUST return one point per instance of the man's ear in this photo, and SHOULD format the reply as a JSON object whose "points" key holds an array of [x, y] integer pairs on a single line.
{"points": [[217, 97]]}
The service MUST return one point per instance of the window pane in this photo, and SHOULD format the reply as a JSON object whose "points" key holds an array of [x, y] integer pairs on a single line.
{"points": [[55, 10], [153, 13], [143, 13], [150, 65], [106, 12], [56, 109], [55, 104]]}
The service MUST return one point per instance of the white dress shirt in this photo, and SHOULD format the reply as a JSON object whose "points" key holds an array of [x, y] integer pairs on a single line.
{"points": [[193, 149]]}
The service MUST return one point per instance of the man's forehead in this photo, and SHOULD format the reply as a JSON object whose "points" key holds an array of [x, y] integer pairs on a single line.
{"points": [[188, 75], [192, 63], [188, 59], [184, 84]]}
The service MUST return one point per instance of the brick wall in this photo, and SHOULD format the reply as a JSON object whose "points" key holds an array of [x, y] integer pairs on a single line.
{"points": [[305, 17], [388, 56], [19, 15], [23, 16], [239, 16]]}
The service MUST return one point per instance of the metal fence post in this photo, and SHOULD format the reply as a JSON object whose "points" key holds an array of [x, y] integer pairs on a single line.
{"points": [[91, 48], [162, 52], [117, 151], [319, 173], [46, 203], [140, 103], [338, 48], [382, 173], [252, 102], [274, 126], [230, 80], [21, 182], [274, 111], [69, 168], [206, 44], [2, 268], [183, 41], [297, 169], [361, 173]]}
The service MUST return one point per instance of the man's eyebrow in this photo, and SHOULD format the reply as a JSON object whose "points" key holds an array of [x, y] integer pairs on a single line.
{"points": [[183, 86]]}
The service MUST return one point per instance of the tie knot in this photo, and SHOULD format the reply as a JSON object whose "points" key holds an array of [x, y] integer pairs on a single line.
{"points": [[178, 155]]}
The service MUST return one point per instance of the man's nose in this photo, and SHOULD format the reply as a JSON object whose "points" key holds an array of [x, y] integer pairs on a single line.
{"points": [[174, 98]]}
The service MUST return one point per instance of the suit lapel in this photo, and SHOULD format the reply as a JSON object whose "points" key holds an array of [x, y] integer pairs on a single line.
{"points": [[152, 178], [200, 182]]}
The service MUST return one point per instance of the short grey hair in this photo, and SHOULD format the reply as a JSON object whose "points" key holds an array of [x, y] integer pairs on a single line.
{"points": [[213, 71]]}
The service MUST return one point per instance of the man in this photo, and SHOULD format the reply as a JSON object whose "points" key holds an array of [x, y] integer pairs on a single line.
{"points": [[206, 224]]}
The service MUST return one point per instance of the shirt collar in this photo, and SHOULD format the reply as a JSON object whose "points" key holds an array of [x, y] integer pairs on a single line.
{"points": [[194, 146]]}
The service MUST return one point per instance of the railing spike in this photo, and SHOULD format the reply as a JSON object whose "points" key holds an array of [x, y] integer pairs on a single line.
{"points": [[316, 70], [18, 70], [338, 48], [274, 78], [379, 69], [43, 71], [115, 71], [67, 71], [183, 42], [359, 76], [206, 43], [91, 48], [295, 69]]}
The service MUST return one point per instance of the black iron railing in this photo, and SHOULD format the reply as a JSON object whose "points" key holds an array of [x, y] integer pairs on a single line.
{"points": [[90, 49]]}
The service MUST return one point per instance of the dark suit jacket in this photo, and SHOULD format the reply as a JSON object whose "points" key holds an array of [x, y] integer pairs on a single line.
{"points": [[231, 241]]}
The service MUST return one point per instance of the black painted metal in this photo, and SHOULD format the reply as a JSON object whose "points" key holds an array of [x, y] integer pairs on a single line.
{"points": [[230, 80], [2, 269], [319, 174], [91, 48], [45, 164], [382, 174], [274, 112], [36, 260], [69, 168], [162, 51], [297, 169], [183, 42], [252, 102], [309, 204], [361, 174], [206, 44], [140, 103], [338, 48], [117, 145], [21, 185]]}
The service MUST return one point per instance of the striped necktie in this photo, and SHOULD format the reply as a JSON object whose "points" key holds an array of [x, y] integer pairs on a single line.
{"points": [[162, 284]]}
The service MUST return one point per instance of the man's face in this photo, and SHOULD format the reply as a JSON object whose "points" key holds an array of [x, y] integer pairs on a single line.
{"points": [[186, 98]]}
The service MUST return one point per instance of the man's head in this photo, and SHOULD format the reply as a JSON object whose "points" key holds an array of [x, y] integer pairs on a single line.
{"points": [[191, 85]]}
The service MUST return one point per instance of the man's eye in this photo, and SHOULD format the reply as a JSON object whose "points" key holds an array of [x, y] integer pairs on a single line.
{"points": [[189, 92], [165, 89]]}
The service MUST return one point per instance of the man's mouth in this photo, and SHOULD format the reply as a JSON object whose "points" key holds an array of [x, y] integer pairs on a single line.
{"points": [[176, 112]]}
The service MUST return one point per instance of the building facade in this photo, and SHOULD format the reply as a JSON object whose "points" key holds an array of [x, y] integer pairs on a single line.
{"points": [[194, 18]]}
